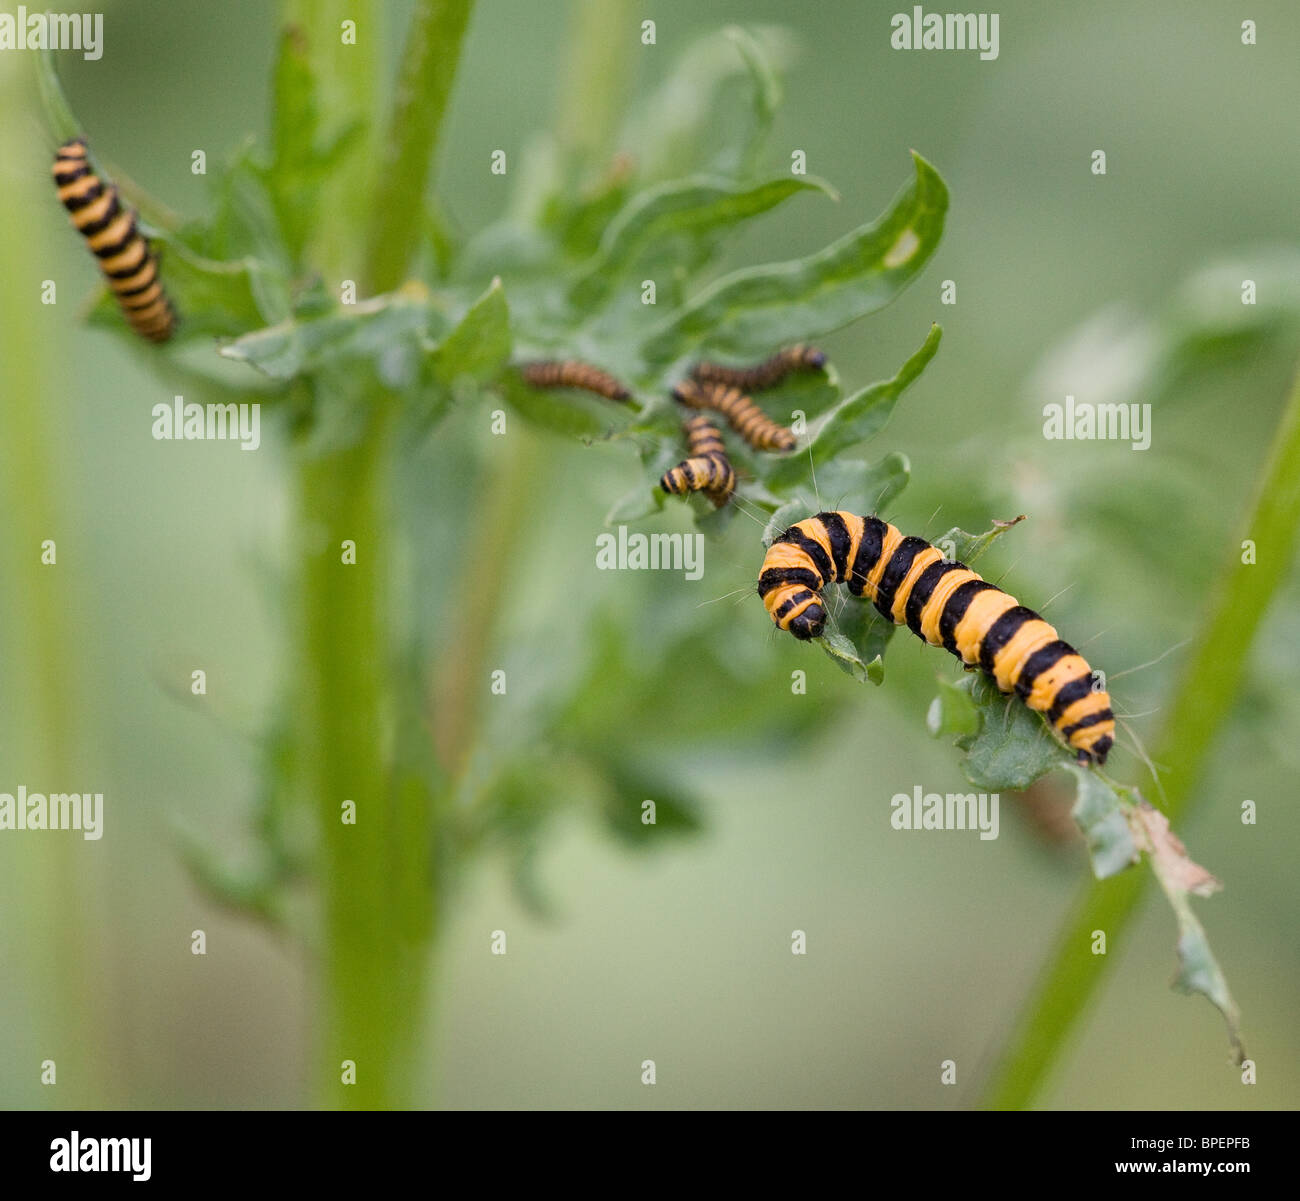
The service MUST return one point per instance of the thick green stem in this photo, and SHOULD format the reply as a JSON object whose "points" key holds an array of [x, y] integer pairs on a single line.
{"points": [[424, 82], [375, 834], [44, 676], [1207, 692]]}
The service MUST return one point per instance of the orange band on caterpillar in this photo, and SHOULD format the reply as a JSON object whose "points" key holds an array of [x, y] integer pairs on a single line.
{"points": [[111, 232], [744, 416], [706, 469], [571, 373], [945, 603]]}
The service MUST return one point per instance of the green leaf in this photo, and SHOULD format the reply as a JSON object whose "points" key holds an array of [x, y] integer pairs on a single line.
{"points": [[854, 420], [867, 633], [753, 310], [1100, 813], [388, 332], [766, 93], [557, 410], [958, 545], [641, 502], [669, 131], [783, 519], [296, 174], [622, 808], [855, 486], [952, 711], [1013, 747], [479, 346], [677, 222], [847, 658]]}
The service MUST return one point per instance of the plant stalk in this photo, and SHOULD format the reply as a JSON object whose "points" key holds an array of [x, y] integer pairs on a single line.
{"points": [[1203, 701]]}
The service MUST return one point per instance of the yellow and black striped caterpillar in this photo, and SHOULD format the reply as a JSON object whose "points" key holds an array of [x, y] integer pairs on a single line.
{"points": [[767, 374], [944, 602], [111, 232], [745, 417], [706, 469], [571, 373]]}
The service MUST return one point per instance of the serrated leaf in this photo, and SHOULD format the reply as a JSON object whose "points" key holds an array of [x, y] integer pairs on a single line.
{"points": [[854, 420], [1198, 970], [388, 332], [1099, 812], [1013, 747], [479, 345], [677, 222], [952, 711], [753, 310]]}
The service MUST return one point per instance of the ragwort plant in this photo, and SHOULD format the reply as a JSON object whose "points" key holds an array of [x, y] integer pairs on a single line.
{"points": [[328, 285]]}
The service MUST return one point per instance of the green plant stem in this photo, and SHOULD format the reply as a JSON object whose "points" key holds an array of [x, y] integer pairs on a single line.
{"points": [[594, 84], [374, 948], [1206, 694], [424, 83], [346, 77], [43, 680]]}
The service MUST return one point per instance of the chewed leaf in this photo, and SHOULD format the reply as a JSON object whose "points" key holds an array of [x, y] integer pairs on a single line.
{"points": [[1013, 747], [753, 310], [854, 419], [479, 346], [1179, 876], [1100, 813], [958, 545], [675, 222]]}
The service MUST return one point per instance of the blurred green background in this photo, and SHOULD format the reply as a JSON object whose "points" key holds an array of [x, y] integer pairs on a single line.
{"points": [[920, 946]]}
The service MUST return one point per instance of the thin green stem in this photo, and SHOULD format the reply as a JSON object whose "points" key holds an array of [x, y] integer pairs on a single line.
{"points": [[1206, 694], [424, 83]]}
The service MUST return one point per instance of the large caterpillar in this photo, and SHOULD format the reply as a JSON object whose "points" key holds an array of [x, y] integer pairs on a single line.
{"points": [[111, 232], [745, 417], [572, 373], [767, 374], [944, 602], [706, 469]]}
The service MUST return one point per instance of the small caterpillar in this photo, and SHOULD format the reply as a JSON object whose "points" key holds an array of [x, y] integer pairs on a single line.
{"points": [[111, 232], [745, 417], [944, 602], [706, 469], [767, 374], [572, 373]]}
